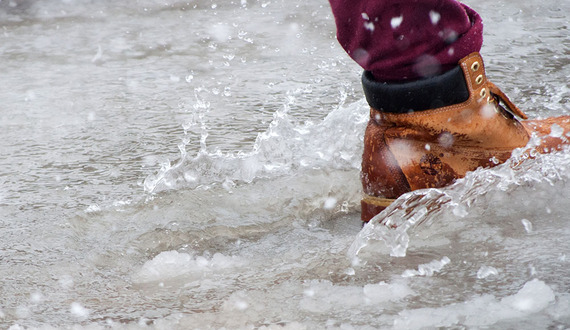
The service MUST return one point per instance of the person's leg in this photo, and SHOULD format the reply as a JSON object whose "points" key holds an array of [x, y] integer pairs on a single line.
{"points": [[434, 115], [405, 40]]}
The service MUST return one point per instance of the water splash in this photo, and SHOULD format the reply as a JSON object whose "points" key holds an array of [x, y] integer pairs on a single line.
{"points": [[427, 269], [422, 208], [285, 147]]}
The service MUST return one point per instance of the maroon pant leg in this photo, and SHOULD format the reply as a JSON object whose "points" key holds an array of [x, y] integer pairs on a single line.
{"points": [[407, 39]]}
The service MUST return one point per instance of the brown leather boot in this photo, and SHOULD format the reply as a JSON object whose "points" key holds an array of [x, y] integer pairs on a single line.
{"points": [[428, 133]]}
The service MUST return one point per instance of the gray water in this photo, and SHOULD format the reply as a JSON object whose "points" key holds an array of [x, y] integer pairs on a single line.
{"points": [[174, 165]]}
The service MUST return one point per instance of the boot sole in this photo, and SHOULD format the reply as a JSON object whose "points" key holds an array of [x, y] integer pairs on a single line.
{"points": [[372, 205]]}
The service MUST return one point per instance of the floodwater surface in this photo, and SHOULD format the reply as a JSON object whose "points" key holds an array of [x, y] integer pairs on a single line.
{"points": [[195, 164]]}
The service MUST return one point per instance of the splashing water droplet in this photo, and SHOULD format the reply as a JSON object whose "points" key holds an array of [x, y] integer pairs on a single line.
{"points": [[445, 139], [78, 310], [361, 56], [344, 207], [434, 17], [460, 211], [330, 203], [396, 21], [369, 26], [428, 269], [527, 225], [556, 131], [488, 111], [486, 271]]}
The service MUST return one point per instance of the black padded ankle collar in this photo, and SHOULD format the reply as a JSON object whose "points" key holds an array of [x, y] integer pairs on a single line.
{"points": [[430, 93]]}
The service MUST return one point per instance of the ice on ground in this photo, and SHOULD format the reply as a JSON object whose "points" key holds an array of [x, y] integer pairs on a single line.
{"points": [[383, 292], [532, 298], [171, 264], [485, 310], [321, 296]]}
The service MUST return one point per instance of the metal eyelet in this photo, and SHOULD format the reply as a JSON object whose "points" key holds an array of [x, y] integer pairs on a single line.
{"points": [[490, 99], [479, 79], [475, 66], [483, 92]]}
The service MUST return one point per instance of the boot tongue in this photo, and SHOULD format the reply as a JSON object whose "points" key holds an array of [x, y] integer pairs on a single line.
{"points": [[424, 94], [503, 97]]}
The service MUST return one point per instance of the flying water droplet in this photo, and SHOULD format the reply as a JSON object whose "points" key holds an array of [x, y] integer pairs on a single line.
{"points": [[527, 225], [396, 21], [556, 131], [486, 271], [445, 139], [434, 17], [369, 26], [330, 203]]}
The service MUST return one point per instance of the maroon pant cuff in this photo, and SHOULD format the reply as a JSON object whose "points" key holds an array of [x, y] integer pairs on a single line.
{"points": [[407, 40]]}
